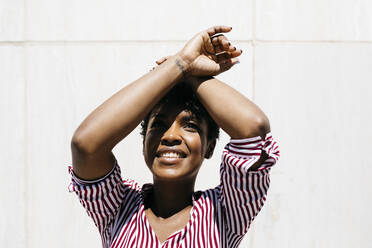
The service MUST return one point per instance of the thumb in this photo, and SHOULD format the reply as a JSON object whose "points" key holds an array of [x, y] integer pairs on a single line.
{"points": [[162, 60], [226, 65]]}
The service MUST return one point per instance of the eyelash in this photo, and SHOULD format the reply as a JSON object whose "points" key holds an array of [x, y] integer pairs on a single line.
{"points": [[192, 125]]}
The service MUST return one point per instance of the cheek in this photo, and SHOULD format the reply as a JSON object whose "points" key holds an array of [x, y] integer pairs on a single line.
{"points": [[195, 143], [152, 138], [150, 144]]}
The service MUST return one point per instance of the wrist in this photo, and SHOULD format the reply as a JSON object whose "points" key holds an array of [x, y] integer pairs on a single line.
{"points": [[183, 64], [185, 57]]}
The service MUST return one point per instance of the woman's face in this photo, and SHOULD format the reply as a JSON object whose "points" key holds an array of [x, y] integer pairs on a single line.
{"points": [[175, 143]]}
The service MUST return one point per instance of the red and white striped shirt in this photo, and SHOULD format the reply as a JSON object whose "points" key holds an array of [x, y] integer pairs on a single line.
{"points": [[219, 217]]}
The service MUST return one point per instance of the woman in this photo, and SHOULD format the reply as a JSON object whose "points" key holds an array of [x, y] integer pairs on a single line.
{"points": [[181, 107]]}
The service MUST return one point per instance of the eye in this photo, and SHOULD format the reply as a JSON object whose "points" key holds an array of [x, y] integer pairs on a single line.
{"points": [[192, 126]]}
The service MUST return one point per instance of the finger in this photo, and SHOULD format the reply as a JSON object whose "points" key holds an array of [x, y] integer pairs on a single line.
{"points": [[236, 53], [226, 65], [218, 29], [208, 46], [211, 32], [216, 45], [220, 40], [220, 49], [221, 57], [214, 40], [160, 61], [222, 44], [216, 36]]}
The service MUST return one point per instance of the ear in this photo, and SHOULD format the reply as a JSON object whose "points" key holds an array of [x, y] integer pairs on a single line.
{"points": [[210, 149]]}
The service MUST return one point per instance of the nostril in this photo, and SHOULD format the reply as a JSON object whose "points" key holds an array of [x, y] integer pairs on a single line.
{"points": [[171, 136], [170, 142]]}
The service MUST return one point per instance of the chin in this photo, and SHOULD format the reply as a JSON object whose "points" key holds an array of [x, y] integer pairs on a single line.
{"points": [[167, 173], [174, 174], [170, 170]]}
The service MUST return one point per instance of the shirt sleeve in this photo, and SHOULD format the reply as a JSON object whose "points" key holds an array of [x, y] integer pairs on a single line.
{"points": [[243, 192], [101, 198]]}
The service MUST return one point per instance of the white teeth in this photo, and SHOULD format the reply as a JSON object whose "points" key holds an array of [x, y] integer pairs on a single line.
{"points": [[170, 155]]}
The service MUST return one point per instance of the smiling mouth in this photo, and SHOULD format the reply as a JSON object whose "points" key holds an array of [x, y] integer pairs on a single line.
{"points": [[170, 155]]}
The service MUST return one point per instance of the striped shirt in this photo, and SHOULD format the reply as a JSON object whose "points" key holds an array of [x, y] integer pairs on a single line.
{"points": [[219, 217]]}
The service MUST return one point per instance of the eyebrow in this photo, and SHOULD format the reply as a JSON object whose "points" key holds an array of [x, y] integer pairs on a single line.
{"points": [[191, 117]]}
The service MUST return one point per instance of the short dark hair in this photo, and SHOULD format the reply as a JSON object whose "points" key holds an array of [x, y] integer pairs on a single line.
{"points": [[182, 95]]}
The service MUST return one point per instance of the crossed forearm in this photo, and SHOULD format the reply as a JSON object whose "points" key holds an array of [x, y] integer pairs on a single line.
{"points": [[234, 113], [114, 119]]}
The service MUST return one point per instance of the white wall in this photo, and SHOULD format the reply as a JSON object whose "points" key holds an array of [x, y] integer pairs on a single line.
{"points": [[307, 64]]}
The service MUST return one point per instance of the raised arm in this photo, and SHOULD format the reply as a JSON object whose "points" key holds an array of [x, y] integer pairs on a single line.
{"points": [[238, 116], [233, 112], [113, 120], [247, 158]]}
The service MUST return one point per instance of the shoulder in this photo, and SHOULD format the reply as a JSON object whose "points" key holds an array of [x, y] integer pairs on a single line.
{"points": [[209, 196], [132, 184]]}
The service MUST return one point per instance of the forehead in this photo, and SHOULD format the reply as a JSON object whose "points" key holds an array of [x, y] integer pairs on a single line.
{"points": [[167, 111]]}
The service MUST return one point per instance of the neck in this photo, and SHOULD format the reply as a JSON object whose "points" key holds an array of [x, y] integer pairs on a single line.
{"points": [[171, 197]]}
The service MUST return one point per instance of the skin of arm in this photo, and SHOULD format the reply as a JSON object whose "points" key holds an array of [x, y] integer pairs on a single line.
{"points": [[113, 120], [117, 117], [233, 112]]}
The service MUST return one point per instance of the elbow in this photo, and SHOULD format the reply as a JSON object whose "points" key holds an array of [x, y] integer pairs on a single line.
{"points": [[258, 126], [262, 126], [79, 144]]}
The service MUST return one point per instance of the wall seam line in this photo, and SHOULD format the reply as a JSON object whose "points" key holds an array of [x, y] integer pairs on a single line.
{"points": [[253, 49], [25, 130], [252, 228]]}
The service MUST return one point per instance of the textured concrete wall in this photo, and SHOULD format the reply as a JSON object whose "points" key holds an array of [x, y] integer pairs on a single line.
{"points": [[307, 64]]}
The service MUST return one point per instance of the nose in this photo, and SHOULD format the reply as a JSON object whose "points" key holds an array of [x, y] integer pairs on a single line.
{"points": [[172, 136]]}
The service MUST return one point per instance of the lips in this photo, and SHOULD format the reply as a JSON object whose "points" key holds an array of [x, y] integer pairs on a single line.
{"points": [[170, 153]]}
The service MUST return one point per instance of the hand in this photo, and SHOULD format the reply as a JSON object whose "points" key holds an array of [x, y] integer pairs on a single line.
{"points": [[209, 53]]}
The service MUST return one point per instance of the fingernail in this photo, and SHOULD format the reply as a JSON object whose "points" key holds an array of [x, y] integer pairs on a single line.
{"points": [[237, 62]]}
